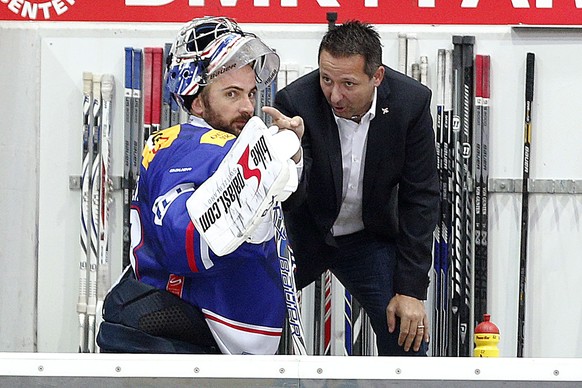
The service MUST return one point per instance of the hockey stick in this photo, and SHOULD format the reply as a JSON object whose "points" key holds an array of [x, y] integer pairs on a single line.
{"points": [[322, 305], [357, 328], [170, 109], [481, 206], [446, 226], [348, 328], [479, 298], [148, 58], [411, 52], [166, 120], [424, 70], [317, 309], [438, 239], [104, 268], [327, 313], [157, 80], [415, 72], [95, 211], [85, 211], [331, 19], [467, 138], [402, 52], [485, 175], [127, 183], [287, 265], [136, 116], [529, 94], [457, 229]]}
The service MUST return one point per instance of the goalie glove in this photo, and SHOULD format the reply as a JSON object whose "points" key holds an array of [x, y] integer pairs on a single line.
{"points": [[286, 144], [238, 197]]}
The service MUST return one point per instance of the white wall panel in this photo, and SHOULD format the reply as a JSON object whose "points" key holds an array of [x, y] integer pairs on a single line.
{"points": [[52, 122], [19, 117]]}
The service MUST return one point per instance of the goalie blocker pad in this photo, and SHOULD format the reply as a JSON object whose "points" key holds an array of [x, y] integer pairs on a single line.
{"points": [[256, 172]]}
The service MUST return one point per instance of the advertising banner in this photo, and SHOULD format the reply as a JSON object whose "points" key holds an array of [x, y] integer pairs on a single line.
{"points": [[477, 12]]}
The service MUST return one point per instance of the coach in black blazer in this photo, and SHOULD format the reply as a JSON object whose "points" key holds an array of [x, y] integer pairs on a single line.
{"points": [[399, 195]]}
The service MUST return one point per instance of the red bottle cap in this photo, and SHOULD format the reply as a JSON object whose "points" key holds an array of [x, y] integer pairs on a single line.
{"points": [[486, 326]]}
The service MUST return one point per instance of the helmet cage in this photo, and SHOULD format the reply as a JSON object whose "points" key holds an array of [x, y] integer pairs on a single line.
{"points": [[208, 47]]}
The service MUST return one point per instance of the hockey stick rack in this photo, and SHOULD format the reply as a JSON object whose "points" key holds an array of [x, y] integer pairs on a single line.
{"points": [[536, 186], [75, 182]]}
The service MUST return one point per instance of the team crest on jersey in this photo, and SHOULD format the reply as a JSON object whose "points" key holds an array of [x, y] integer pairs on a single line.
{"points": [[216, 137], [156, 142]]}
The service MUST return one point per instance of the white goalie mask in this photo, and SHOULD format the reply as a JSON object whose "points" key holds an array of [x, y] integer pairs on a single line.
{"points": [[207, 47]]}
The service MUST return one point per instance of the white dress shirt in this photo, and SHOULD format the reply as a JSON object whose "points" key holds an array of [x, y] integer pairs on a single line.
{"points": [[353, 139]]}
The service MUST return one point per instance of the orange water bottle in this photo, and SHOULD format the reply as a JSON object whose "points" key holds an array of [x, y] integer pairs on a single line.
{"points": [[486, 338]]}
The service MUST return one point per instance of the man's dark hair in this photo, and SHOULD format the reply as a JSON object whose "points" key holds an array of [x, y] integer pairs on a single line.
{"points": [[188, 100], [354, 38]]}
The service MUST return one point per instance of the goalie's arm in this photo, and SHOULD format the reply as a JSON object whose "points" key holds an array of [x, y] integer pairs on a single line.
{"points": [[174, 172], [181, 251]]}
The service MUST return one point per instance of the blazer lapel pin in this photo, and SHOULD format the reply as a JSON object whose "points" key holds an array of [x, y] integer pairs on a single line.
{"points": [[385, 110]]}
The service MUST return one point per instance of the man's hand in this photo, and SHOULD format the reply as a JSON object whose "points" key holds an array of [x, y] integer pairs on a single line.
{"points": [[414, 326], [294, 124]]}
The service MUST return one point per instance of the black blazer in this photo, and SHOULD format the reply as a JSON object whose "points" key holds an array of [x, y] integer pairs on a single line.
{"points": [[400, 188]]}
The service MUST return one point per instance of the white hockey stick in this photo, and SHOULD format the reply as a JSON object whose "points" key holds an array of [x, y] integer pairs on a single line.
{"points": [[402, 43], [85, 211], [103, 269], [95, 182], [411, 52], [424, 70]]}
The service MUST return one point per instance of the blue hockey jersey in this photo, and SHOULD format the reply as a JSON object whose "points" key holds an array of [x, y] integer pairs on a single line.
{"points": [[240, 294]]}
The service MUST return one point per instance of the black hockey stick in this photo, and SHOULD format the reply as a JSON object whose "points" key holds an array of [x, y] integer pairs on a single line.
{"points": [[529, 92], [467, 138], [455, 268]]}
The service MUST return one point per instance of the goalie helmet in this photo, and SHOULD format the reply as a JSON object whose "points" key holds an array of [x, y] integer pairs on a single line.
{"points": [[207, 47]]}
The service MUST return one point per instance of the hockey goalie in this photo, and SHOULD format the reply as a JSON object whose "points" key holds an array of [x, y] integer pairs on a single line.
{"points": [[205, 274]]}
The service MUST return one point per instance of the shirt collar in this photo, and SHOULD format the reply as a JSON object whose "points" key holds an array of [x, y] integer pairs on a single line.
{"points": [[198, 121]]}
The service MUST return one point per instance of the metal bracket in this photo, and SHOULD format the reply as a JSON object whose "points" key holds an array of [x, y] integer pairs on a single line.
{"points": [[75, 182], [536, 186], [504, 185]]}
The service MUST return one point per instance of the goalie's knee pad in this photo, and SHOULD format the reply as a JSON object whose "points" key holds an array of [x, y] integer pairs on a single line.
{"points": [[139, 318]]}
